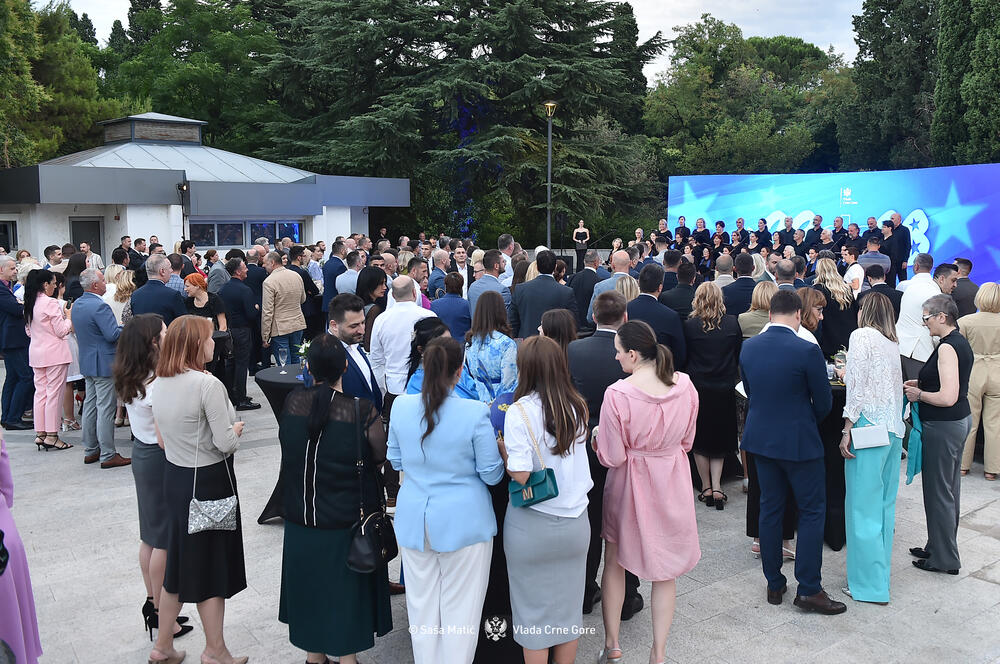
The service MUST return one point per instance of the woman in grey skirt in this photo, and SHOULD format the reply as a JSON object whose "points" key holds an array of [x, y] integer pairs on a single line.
{"points": [[546, 543], [138, 350]]}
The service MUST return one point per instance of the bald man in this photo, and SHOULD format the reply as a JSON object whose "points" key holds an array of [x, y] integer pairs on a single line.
{"points": [[620, 263]]}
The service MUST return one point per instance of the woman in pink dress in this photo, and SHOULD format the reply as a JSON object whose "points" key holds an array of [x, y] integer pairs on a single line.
{"points": [[647, 428]]}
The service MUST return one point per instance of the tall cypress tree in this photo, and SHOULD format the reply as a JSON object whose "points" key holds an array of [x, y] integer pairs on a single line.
{"points": [[981, 87], [948, 129]]}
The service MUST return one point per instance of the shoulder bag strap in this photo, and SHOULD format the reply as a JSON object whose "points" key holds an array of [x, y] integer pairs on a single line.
{"points": [[534, 442], [361, 458]]}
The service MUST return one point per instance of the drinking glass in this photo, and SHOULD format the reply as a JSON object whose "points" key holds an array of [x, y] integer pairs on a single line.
{"points": [[282, 353]]}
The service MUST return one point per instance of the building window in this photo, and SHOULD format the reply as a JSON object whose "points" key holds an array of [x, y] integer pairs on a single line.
{"points": [[231, 234], [290, 229], [235, 233], [203, 234], [263, 229]]}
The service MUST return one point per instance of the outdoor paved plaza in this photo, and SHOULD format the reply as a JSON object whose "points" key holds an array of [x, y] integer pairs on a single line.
{"points": [[80, 526]]}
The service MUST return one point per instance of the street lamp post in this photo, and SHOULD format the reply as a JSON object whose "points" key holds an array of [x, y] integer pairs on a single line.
{"points": [[550, 110]]}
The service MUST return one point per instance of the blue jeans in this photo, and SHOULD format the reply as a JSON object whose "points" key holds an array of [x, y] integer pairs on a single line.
{"points": [[807, 480], [18, 386], [290, 341]]}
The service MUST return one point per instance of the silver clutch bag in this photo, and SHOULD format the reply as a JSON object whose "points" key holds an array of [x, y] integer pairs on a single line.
{"points": [[212, 514]]}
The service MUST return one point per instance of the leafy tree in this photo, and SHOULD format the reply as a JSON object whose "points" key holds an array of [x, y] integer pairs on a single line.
{"points": [[84, 27], [203, 63], [792, 61], [981, 87], [632, 57], [21, 93], [145, 19], [888, 124], [948, 129], [118, 40], [752, 146]]}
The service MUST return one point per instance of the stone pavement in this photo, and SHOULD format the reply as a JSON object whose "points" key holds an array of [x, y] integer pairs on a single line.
{"points": [[80, 526]]}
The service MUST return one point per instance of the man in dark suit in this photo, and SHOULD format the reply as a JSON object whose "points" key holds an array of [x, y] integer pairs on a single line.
{"points": [[593, 366], [664, 320], [965, 290], [242, 316], [902, 245], [789, 453], [876, 277], [582, 283], [19, 383], [333, 268], [155, 297], [298, 259], [671, 261], [738, 294], [680, 297], [460, 263], [533, 298], [347, 323], [256, 274]]}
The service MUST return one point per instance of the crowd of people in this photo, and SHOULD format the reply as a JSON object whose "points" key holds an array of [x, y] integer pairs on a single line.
{"points": [[568, 417]]}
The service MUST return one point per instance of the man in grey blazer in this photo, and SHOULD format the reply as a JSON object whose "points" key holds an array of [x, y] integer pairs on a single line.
{"points": [[97, 332]]}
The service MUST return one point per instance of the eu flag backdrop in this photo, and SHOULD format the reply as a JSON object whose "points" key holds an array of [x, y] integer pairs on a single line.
{"points": [[950, 211]]}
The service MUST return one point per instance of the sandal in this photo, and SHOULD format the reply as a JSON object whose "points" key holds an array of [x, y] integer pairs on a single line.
{"points": [[40, 440], [720, 504], [70, 424], [57, 444], [990, 477], [706, 497], [605, 656]]}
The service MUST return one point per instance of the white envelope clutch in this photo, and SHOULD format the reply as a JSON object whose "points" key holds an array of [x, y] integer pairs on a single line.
{"points": [[871, 436]]}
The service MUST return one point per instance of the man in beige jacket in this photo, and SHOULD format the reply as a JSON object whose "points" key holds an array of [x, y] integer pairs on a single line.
{"points": [[282, 321]]}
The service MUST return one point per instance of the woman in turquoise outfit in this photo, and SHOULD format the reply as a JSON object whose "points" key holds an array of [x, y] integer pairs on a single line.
{"points": [[490, 353], [874, 383]]}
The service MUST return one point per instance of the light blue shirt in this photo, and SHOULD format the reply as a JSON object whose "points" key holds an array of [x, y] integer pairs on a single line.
{"points": [[444, 493], [177, 284], [488, 282], [465, 389], [347, 282], [603, 287]]}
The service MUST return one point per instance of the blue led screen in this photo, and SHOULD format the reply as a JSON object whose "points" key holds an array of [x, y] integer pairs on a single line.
{"points": [[949, 211]]}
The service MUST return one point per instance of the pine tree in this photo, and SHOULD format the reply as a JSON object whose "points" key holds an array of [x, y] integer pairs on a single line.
{"points": [[145, 19], [631, 57], [21, 94], [981, 87], [118, 40], [955, 36], [83, 27]]}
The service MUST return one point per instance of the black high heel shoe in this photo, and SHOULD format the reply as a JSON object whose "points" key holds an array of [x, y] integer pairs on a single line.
{"points": [[153, 622], [148, 609], [720, 503]]}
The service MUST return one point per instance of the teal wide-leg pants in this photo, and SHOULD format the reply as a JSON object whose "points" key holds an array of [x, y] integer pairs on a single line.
{"points": [[872, 480]]}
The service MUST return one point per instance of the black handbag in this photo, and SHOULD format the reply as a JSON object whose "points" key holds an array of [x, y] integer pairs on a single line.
{"points": [[373, 541]]}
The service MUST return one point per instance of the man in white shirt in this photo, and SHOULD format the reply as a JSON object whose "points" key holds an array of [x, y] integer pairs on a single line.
{"points": [[505, 243], [93, 260], [348, 281], [391, 334], [915, 344]]}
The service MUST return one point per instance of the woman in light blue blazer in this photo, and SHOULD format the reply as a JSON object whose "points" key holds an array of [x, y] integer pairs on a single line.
{"points": [[445, 524]]}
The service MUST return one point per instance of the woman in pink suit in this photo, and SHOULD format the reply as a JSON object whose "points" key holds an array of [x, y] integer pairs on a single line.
{"points": [[48, 325], [18, 624], [647, 428]]}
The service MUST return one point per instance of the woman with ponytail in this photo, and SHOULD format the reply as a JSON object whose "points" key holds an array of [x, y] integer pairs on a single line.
{"points": [[546, 427], [647, 428], [444, 515]]}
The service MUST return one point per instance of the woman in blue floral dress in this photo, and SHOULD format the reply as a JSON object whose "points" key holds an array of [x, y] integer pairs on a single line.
{"points": [[491, 354]]}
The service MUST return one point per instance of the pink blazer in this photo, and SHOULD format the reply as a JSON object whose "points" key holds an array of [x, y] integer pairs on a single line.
{"points": [[48, 331]]}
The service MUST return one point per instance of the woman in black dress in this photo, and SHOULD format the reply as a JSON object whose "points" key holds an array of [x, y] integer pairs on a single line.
{"points": [[581, 236], [200, 302], [840, 315], [322, 495], [76, 264], [713, 344]]}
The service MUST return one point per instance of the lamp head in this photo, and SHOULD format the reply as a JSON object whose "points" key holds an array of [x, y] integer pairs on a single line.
{"points": [[550, 108]]}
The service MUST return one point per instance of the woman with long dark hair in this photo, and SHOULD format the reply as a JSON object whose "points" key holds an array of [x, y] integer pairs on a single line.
{"points": [[319, 447], [48, 324], [449, 452], [490, 352], [371, 288], [424, 331], [206, 567], [647, 428], [75, 266], [138, 352], [546, 427], [560, 326]]}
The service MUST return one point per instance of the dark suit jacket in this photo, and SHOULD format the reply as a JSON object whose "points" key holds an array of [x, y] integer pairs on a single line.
{"points": [[784, 374], [156, 298], [332, 268], [582, 284], [964, 296], [669, 280], [255, 281], [188, 267], [664, 321], [12, 334], [313, 302], [901, 245], [354, 383], [738, 295], [894, 296], [468, 274], [679, 298], [593, 366], [533, 298]]}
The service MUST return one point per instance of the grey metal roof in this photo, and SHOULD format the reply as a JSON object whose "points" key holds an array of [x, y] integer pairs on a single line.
{"points": [[155, 117], [199, 162]]}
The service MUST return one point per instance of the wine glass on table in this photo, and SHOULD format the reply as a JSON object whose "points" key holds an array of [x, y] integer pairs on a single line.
{"points": [[282, 353]]}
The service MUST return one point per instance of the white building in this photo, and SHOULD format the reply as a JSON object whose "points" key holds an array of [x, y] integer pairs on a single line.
{"points": [[153, 176]]}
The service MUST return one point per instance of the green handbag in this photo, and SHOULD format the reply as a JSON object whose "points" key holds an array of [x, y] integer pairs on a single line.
{"points": [[541, 484]]}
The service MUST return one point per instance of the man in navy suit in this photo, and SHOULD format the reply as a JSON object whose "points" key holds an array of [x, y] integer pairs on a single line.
{"points": [[664, 320], [738, 294], [155, 297], [582, 284], [97, 332], [19, 384], [789, 452], [332, 269], [347, 323], [533, 298]]}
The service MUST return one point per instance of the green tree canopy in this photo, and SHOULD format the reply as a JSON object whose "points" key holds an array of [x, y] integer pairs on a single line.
{"points": [[22, 95]]}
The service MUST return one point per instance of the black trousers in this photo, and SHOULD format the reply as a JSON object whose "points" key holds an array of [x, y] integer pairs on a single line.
{"points": [[595, 514], [242, 343], [390, 476]]}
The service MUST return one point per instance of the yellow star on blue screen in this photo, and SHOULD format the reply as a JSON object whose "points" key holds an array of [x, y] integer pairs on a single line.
{"points": [[952, 220], [694, 207]]}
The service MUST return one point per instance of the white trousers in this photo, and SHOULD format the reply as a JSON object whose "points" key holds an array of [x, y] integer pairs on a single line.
{"points": [[444, 600]]}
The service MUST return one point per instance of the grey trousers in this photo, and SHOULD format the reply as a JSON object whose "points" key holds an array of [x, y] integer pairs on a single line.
{"points": [[99, 416], [942, 481]]}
